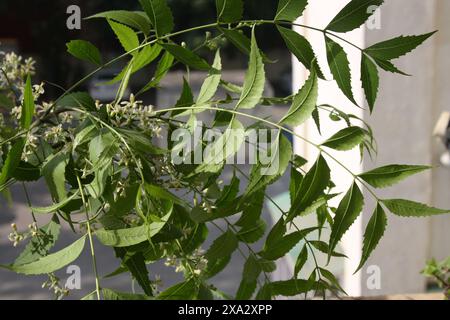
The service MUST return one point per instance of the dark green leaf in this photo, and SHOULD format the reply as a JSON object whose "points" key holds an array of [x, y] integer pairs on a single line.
{"points": [[109, 294], [323, 247], [250, 275], [370, 80], [162, 69], [289, 288], [186, 290], [388, 66], [186, 56], [12, 161], [301, 260], [78, 100], [389, 175], [28, 105], [229, 11], [397, 47], [353, 15], [253, 232], [284, 245], [290, 10], [136, 20], [6, 102], [340, 68], [224, 245], [346, 139], [160, 15], [347, 212], [374, 232]]}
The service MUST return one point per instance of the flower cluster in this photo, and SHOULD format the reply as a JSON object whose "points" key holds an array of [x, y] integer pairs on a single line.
{"points": [[15, 69], [53, 284], [16, 237]]}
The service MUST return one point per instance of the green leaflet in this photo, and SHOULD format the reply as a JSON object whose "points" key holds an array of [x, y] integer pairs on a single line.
{"points": [[140, 60], [301, 48], [224, 245], [304, 103], [265, 174], [109, 294], [253, 232], [312, 187], [289, 288], [161, 193], [370, 80], [397, 47], [127, 37], [250, 275], [283, 245], [85, 135], [389, 175], [211, 83], [160, 15], [229, 11], [407, 208], [353, 15], [340, 68], [52, 262], [388, 66], [254, 79], [40, 246], [186, 56], [136, 20], [290, 10], [162, 68], [84, 50], [253, 206], [122, 237], [346, 139], [238, 39], [323, 247], [26, 172], [374, 232], [186, 290], [78, 100], [12, 161], [301, 260], [346, 213], [27, 105], [53, 171], [55, 207]]}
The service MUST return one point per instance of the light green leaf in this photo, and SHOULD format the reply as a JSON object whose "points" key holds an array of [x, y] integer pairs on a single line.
{"points": [[250, 276], [229, 11], [127, 37], [12, 160], [85, 135], [397, 47], [340, 68], [160, 16], [254, 79], [353, 15], [52, 262], [346, 139], [53, 171], [389, 175], [374, 232], [84, 50], [304, 102], [313, 185], [55, 207], [136, 20], [370, 80], [211, 83], [407, 208], [290, 10], [161, 193], [27, 106], [162, 69], [347, 212], [186, 56], [122, 237], [223, 246], [238, 39]]}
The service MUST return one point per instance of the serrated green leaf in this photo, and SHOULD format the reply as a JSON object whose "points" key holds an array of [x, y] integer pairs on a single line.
{"points": [[12, 160], [85, 135], [162, 69], [40, 246], [238, 39], [388, 66], [346, 139], [136, 20], [211, 83], [353, 15], [289, 288], [304, 103], [407, 208], [27, 105], [26, 172], [397, 47], [253, 206], [53, 171], [250, 275], [224, 245], [374, 232], [254, 79], [229, 11], [84, 50], [122, 237], [52, 262], [370, 80], [285, 244], [135, 263], [340, 68], [186, 290], [312, 187], [263, 175], [161, 193], [160, 16], [295, 183], [109, 294], [301, 260], [253, 232], [55, 207], [389, 175], [323, 247], [78, 100], [290, 10], [348, 210], [186, 56]]}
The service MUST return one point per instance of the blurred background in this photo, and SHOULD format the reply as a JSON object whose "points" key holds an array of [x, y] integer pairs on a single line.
{"points": [[403, 121]]}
